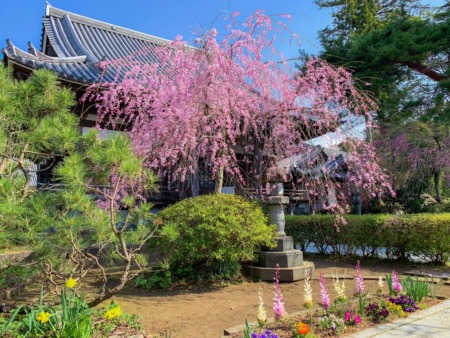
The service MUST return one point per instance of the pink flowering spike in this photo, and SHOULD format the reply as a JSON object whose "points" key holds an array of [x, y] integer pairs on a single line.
{"points": [[358, 319], [359, 279], [278, 305], [325, 300], [396, 286]]}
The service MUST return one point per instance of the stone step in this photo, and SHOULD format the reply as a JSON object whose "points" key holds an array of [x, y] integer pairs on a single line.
{"points": [[285, 259], [285, 243], [286, 274]]}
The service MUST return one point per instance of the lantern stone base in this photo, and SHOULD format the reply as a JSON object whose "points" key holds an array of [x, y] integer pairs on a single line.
{"points": [[290, 261], [286, 259], [292, 274], [284, 243]]}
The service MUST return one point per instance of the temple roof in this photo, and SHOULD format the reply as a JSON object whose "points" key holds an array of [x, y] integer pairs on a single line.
{"points": [[317, 161], [74, 45]]}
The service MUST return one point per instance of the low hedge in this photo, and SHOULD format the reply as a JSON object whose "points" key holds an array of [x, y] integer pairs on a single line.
{"points": [[424, 235]]}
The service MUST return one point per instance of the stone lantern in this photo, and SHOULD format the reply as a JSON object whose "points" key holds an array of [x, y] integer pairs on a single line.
{"points": [[290, 260], [275, 199]]}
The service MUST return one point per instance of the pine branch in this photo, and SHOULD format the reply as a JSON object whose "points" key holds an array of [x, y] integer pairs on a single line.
{"points": [[425, 70]]}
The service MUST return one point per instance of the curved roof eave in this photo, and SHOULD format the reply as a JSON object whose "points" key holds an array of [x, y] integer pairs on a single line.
{"points": [[69, 69]]}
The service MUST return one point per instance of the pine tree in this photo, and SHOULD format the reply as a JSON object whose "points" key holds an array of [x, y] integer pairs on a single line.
{"points": [[402, 49], [35, 125]]}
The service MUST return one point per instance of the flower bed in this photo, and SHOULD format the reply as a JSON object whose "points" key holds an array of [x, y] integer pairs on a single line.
{"points": [[72, 318], [343, 314]]}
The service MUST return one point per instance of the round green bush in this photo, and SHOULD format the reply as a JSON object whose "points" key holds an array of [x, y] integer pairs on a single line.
{"points": [[207, 237]]}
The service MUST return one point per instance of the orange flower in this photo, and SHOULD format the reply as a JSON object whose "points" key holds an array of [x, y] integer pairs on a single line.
{"points": [[302, 328]]}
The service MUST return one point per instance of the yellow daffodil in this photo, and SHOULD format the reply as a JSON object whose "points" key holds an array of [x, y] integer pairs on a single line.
{"points": [[113, 313], [70, 283], [43, 317]]}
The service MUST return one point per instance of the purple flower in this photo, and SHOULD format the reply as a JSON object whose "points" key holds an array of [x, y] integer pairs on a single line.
{"points": [[324, 293], [358, 319], [265, 334], [359, 279], [376, 312], [407, 304], [348, 315]]}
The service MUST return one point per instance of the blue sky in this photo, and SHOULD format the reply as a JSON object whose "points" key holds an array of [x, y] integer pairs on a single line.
{"points": [[21, 19]]}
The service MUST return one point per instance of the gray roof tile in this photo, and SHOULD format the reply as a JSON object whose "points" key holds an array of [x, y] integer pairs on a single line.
{"points": [[81, 43]]}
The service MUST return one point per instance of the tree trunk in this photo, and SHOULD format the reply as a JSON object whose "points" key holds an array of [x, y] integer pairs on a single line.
{"points": [[195, 188], [437, 177], [4, 160], [219, 180], [425, 70], [3, 164], [100, 300], [26, 173], [357, 202], [368, 128]]}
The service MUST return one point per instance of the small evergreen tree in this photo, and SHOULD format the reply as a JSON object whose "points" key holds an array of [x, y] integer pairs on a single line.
{"points": [[35, 125], [97, 216], [103, 219]]}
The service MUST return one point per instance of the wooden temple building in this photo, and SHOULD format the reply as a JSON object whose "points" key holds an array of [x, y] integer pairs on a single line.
{"points": [[73, 46]]}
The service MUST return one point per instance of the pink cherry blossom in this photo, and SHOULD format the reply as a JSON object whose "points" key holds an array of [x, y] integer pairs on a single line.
{"points": [[239, 105]]}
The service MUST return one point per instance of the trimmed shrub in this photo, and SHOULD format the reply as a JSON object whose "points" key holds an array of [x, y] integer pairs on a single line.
{"points": [[424, 235], [428, 235], [207, 237]]}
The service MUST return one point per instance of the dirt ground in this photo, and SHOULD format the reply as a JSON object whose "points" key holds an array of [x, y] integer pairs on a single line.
{"points": [[206, 312]]}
